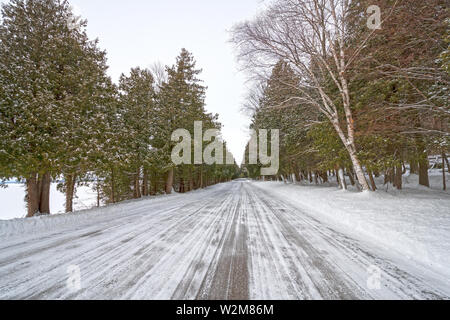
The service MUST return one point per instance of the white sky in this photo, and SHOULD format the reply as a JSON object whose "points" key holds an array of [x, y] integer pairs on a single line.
{"points": [[142, 32]]}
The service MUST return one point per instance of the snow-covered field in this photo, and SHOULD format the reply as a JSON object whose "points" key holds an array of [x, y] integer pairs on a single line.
{"points": [[239, 240], [12, 200]]}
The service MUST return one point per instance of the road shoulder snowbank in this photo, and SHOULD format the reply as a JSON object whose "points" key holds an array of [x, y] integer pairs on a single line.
{"points": [[413, 223]]}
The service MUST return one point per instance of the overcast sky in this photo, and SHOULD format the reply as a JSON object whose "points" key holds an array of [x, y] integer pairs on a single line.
{"points": [[142, 32]]}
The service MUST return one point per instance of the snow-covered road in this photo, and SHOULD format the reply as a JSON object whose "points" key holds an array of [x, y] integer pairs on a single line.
{"points": [[231, 241]]}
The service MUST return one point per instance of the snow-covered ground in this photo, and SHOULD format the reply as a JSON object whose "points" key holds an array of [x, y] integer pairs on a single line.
{"points": [[414, 222], [12, 200], [239, 240]]}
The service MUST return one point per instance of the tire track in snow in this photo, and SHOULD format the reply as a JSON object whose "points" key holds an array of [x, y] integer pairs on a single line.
{"points": [[108, 252], [347, 260], [227, 277]]}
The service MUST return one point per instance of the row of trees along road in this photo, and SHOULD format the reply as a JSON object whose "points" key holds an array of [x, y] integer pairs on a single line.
{"points": [[63, 119], [349, 99]]}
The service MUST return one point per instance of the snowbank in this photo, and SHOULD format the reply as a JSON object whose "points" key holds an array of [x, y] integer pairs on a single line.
{"points": [[58, 222], [414, 222], [12, 200], [89, 217]]}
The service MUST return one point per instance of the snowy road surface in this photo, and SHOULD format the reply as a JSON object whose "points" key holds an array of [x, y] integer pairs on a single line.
{"points": [[231, 241]]}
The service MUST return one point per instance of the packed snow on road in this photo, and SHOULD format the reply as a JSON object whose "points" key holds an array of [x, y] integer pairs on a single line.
{"points": [[237, 240]]}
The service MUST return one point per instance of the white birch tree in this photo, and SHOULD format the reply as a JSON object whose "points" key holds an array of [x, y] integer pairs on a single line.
{"points": [[310, 35]]}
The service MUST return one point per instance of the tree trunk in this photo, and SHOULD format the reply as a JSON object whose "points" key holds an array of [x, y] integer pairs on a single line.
{"points": [[137, 185], [395, 176], [351, 176], [414, 168], [372, 181], [155, 186], [423, 173], [297, 177], [342, 181], [423, 163], [358, 169], [169, 181], [44, 202], [195, 180], [386, 177], [316, 178], [98, 193], [32, 196], [350, 146], [145, 191], [398, 177], [182, 185], [325, 177], [444, 181], [70, 190], [448, 164], [187, 186]]}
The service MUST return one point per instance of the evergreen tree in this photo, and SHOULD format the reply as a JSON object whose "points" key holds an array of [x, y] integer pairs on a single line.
{"points": [[137, 111], [181, 102], [54, 89]]}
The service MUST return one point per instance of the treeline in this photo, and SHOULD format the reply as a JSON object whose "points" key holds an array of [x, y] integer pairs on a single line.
{"points": [[63, 119], [351, 100]]}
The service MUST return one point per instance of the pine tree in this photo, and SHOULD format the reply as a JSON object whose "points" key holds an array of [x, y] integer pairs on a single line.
{"points": [[53, 82], [137, 104], [181, 102]]}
